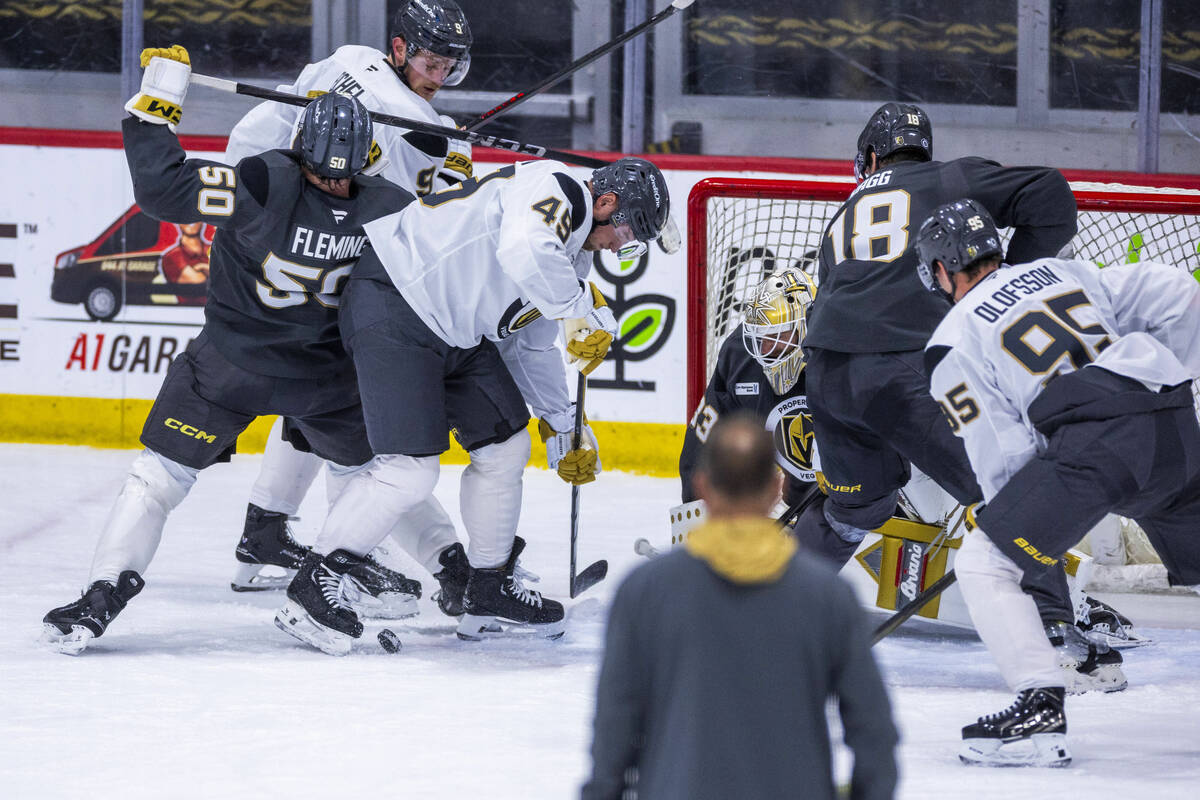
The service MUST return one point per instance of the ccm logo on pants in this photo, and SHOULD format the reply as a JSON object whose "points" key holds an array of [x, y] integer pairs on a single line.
{"points": [[189, 430]]}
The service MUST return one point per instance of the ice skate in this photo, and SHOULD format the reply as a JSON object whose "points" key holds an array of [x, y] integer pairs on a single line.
{"points": [[71, 628], [378, 592], [1086, 666], [316, 611], [1032, 732], [266, 542], [1103, 624], [496, 603], [452, 578]]}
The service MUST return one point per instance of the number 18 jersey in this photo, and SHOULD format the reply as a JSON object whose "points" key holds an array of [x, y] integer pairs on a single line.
{"points": [[870, 298], [1021, 326]]}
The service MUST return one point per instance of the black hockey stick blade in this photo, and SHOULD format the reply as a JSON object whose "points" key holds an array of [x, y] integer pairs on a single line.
{"points": [[797, 508], [479, 140], [913, 606], [589, 578]]}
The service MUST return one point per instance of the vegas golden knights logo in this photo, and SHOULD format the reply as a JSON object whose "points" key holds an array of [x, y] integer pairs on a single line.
{"points": [[798, 435], [795, 446]]}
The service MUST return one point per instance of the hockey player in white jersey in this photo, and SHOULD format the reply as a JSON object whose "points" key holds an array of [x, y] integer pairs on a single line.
{"points": [[1071, 388], [429, 43], [420, 316]]}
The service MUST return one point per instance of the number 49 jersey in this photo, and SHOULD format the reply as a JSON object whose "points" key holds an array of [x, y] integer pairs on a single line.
{"points": [[871, 299], [1020, 327], [282, 251], [491, 254]]}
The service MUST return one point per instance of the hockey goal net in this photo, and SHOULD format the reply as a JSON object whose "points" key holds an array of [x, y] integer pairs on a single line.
{"points": [[740, 229]]}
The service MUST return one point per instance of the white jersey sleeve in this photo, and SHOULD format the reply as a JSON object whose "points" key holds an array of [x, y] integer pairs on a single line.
{"points": [[410, 161]]}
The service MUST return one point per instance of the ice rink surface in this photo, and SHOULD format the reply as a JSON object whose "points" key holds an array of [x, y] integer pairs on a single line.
{"points": [[194, 693]]}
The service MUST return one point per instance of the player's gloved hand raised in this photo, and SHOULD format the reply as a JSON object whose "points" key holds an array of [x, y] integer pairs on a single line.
{"points": [[574, 465], [166, 71], [588, 338], [457, 166]]}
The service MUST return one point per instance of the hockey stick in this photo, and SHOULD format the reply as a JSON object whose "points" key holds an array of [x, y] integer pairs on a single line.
{"points": [[596, 572], [797, 508], [522, 148], [913, 606], [583, 61]]}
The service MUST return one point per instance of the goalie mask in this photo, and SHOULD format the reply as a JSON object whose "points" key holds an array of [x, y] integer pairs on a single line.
{"points": [[957, 234], [774, 324], [334, 139], [893, 127], [437, 39]]}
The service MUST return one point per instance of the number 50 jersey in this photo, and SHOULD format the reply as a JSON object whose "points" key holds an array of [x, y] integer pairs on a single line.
{"points": [[492, 254], [282, 251], [1022, 326]]}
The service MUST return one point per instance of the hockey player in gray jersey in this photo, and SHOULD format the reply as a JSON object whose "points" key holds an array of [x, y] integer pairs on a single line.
{"points": [[442, 282], [289, 229], [429, 47], [1070, 387]]}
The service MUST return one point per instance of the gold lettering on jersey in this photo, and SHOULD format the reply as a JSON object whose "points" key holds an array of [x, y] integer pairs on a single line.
{"points": [[190, 430], [326, 246], [1033, 552]]}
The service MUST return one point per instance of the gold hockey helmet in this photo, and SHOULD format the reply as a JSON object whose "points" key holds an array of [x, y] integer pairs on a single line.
{"points": [[774, 324]]}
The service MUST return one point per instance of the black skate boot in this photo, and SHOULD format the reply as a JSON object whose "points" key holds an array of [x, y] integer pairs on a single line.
{"points": [[266, 541], [376, 591], [1103, 624], [70, 628], [1087, 666], [452, 577], [316, 610], [497, 603], [1032, 732]]}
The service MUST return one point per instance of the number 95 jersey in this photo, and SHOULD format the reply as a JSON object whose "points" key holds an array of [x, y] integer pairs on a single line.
{"points": [[1022, 326], [492, 254]]}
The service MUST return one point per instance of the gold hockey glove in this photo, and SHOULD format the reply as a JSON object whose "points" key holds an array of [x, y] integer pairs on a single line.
{"points": [[575, 466], [588, 338]]}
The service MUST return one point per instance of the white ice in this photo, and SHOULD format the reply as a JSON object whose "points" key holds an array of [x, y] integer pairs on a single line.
{"points": [[194, 693]]}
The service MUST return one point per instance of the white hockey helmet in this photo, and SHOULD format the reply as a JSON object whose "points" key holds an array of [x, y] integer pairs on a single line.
{"points": [[774, 324]]}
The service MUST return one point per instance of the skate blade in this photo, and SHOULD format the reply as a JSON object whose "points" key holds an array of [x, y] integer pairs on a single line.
{"points": [[474, 628], [1039, 750], [1124, 640], [1104, 678], [388, 605], [69, 644], [295, 621], [248, 578]]}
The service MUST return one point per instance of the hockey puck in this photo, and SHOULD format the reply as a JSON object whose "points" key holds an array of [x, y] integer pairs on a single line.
{"points": [[389, 641]]}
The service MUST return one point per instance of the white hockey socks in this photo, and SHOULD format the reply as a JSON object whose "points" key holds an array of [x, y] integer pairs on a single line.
{"points": [[153, 487], [424, 531], [363, 513], [1006, 618], [285, 475], [490, 499]]}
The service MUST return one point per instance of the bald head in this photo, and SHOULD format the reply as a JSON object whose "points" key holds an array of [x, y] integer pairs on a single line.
{"points": [[736, 473]]}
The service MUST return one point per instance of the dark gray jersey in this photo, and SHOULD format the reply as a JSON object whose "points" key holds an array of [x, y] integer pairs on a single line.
{"points": [[870, 298], [281, 254]]}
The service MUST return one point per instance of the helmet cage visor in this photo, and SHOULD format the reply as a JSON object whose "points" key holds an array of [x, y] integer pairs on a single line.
{"points": [[772, 344], [441, 69]]}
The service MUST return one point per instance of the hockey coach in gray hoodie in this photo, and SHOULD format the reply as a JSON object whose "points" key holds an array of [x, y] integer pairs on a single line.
{"points": [[719, 657]]}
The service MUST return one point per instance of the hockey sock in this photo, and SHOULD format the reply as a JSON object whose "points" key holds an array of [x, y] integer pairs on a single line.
{"points": [[153, 487], [363, 513], [424, 531], [1005, 617], [490, 499], [285, 475]]}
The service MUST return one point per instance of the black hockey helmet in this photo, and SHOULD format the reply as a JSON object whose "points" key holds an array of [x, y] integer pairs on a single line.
{"points": [[957, 234], [335, 136], [438, 26], [894, 127], [642, 200]]}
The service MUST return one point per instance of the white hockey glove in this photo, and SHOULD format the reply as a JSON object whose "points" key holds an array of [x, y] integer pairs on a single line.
{"points": [[576, 466], [165, 75], [588, 338]]}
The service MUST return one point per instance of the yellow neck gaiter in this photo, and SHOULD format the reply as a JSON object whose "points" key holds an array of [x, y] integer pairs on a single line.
{"points": [[743, 549]]}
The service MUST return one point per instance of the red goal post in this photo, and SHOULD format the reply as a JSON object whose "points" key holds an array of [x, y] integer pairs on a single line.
{"points": [[738, 229]]}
